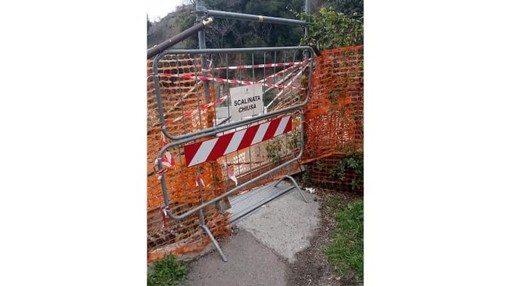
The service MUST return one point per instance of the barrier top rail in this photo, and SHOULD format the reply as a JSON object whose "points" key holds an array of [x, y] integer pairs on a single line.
{"points": [[228, 50]]}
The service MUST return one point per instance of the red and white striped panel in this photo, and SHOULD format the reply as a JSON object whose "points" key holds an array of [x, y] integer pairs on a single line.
{"points": [[212, 149]]}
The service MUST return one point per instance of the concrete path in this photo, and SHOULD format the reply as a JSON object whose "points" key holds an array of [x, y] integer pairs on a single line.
{"points": [[285, 225], [249, 263], [266, 243]]}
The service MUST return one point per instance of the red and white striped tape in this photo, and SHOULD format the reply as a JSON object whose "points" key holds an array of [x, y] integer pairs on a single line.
{"points": [[212, 149], [222, 80], [222, 99], [202, 108], [258, 66], [287, 70], [191, 91], [290, 70], [287, 85], [167, 161], [231, 175], [199, 182]]}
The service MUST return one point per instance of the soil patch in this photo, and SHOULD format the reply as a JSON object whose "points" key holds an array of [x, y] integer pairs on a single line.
{"points": [[312, 267]]}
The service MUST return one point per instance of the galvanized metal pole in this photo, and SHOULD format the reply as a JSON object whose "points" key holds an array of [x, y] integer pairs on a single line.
{"points": [[307, 16], [178, 38], [201, 12], [251, 17]]}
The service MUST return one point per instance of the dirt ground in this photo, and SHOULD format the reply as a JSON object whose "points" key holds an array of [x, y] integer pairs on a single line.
{"points": [[311, 267]]}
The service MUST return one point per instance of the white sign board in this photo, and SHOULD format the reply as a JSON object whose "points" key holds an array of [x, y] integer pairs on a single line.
{"points": [[246, 101]]}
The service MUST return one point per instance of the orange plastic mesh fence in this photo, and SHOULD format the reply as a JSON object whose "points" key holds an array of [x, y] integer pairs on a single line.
{"points": [[184, 236], [331, 172], [333, 128], [171, 90], [334, 115], [165, 235]]}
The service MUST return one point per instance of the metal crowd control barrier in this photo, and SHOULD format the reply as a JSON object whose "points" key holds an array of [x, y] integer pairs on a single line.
{"points": [[206, 145], [274, 74], [189, 169]]}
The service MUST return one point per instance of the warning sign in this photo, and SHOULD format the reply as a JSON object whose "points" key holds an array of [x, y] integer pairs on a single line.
{"points": [[246, 101]]}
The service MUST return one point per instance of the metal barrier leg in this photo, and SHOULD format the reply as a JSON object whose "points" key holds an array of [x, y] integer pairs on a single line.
{"points": [[203, 225], [216, 245], [295, 184]]}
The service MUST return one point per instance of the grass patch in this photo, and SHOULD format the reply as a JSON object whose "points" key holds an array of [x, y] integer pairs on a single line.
{"points": [[345, 252], [332, 204], [166, 272]]}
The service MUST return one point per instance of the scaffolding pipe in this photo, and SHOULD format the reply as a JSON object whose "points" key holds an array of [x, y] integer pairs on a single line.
{"points": [[200, 11], [307, 15], [178, 38], [257, 18]]}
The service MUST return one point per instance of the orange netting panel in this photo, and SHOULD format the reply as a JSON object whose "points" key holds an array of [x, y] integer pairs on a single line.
{"points": [[334, 114], [165, 235], [333, 172], [179, 96]]}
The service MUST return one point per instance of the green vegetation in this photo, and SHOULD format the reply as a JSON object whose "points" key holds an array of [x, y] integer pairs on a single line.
{"points": [[166, 272], [335, 23], [331, 29], [293, 140], [345, 252], [352, 163], [229, 33], [274, 150]]}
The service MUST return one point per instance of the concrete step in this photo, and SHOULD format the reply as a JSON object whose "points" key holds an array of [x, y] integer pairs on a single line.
{"points": [[245, 203]]}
